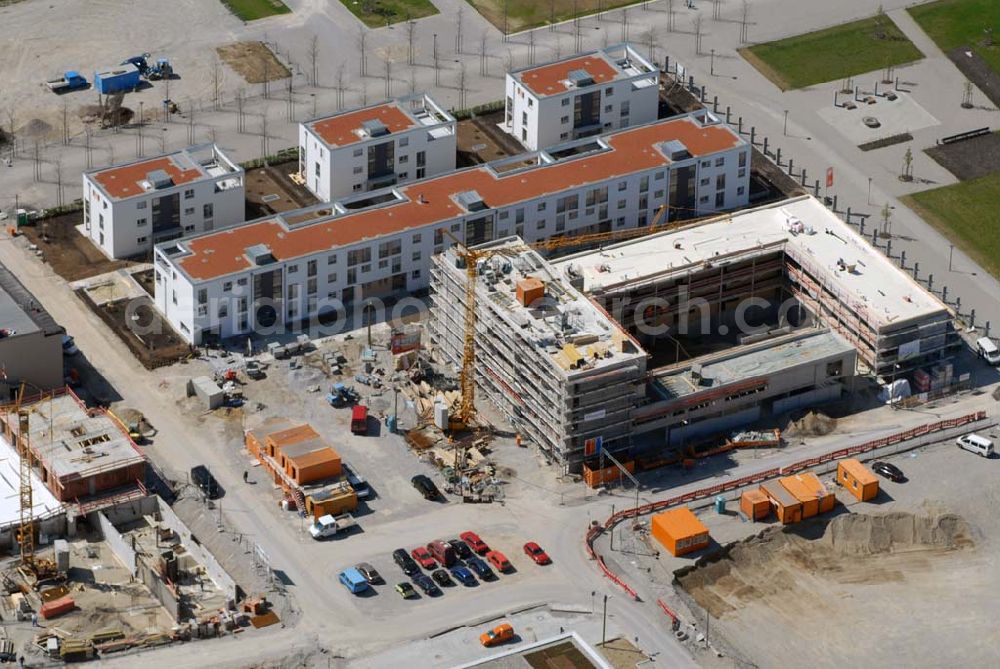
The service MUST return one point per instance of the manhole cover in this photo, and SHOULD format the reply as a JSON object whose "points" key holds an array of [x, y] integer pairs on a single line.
{"points": [[871, 122]]}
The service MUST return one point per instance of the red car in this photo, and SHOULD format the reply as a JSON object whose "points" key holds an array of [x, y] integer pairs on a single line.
{"points": [[499, 560], [535, 552], [475, 543], [424, 557]]}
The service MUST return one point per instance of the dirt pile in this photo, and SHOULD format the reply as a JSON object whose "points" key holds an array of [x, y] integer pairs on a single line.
{"points": [[813, 424], [850, 549]]}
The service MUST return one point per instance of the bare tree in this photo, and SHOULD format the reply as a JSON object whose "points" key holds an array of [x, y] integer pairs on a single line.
{"points": [[413, 80], [461, 86], [388, 77], [362, 46], [697, 34], [340, 87], [558, 47], [506, 14], [552, 14], [484, 68], [65, 122], [531, 47], [670, 16], [215, 82], [263, 136], [649, 45], [745, 15], [437, 62], [625, 24], [716, 9], [313, 59], [459, 16], [411, 27]]}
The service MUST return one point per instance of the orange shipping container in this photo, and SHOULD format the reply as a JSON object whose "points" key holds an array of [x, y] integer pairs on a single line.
{"points": [[596, 477], [786, 506], [530, 290], [800, 491], [754, 504], [679, 531], [826, 498], [857, 479], [57, 607]]}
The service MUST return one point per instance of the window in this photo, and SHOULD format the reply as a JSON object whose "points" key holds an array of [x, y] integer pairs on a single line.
{"points": [[173, 296], [331, 259], [202, 295], [357, 169], [100, 221], [524, 118], [519, 215], [706, 163], [141, 222], [742, 173], [311, 268], [227, 286], [311, 286], [416, 238], [524, 135], [358, 153], [223, 309], [392, 247], [720, 198], [415, 274], [404, 141], [331, 278], [743, 159], [140, 205], [720, 182], [208, 210], [565, 102], [292, 269], [316, 169], [352, 276], [622, 185], [540, 225], [357, 187], [560, 226], [620, 222], [740, 190], [531, 103], [564, 120], [703, 199], [658, 194], [644, 184], [421, 158], [404, 159], [189, 194], [242, 305], [609, 91], [415, 256], [404, 175], [141, 240], [608, 109], [720, 161], [188, 228], [359, 256], [189, 211], [705, 181], [621, 204], [421, 172], [564, 135], [241, 282], [624, 109], [541, 206], [658, 176]]}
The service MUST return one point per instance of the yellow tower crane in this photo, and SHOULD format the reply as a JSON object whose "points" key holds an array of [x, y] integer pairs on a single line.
{"points": [[467, 375], [26, 529]]}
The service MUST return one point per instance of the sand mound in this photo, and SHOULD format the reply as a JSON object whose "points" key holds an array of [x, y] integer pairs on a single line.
{"points": [[860, 534], [813, 424]]}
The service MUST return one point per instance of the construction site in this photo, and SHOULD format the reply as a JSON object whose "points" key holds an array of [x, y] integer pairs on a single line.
{"points": [[651, 351], [98, 565]]}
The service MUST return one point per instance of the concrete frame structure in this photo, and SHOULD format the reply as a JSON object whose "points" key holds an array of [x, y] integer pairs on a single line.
{"points": [[81, 454], [404, 139], [560, 370], [30, 341], [291, 268], [130, 207], [580, 96]]}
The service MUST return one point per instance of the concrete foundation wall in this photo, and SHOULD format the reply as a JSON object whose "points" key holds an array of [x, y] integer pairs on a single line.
{"points": [[159, 589], [212, 567], [682, 435], [119, 546]]}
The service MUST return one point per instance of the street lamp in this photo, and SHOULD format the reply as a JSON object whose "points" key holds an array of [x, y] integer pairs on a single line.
{"points": [[785, 130], [869, 191], [604, 624], [951, 254]]}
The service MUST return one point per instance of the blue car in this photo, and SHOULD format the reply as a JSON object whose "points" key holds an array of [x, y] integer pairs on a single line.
{"points": [[425, 583], [482, 569], [464, 575]]}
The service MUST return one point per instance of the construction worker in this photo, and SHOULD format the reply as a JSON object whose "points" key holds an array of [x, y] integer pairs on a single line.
{"points": [[246, 475]]}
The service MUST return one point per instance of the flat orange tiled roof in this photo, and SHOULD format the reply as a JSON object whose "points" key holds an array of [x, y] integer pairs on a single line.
{"points": [[122, 182], [430, 201], [549, 79], [339, 130]]}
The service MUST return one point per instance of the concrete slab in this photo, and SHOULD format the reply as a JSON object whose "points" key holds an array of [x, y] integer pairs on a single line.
{"points": [[895, 117]]}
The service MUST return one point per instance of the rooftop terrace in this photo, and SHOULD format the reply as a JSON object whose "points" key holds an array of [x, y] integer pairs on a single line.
{"points": [[379, 120], [186, 166], [598, 67]]}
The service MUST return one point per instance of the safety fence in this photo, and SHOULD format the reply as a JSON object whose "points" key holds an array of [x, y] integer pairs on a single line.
{"points": [[597, 528]]}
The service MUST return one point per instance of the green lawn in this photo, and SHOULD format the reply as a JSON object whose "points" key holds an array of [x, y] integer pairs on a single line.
{"points": [[250, 10], [525, 14], [377, 13], [832, 54], [954, 23], [966, 214]]}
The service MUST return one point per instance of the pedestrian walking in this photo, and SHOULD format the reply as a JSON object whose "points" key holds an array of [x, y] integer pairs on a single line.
{"points": [[246, 474], [34, 620]]}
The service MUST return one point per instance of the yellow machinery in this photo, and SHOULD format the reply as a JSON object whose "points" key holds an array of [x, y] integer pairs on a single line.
{"points": [[467, 376]]}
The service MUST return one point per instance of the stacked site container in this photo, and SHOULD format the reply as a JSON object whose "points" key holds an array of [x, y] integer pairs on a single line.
{"points": [[597, 477], [787, 508], [679, 531], [810, 492], [857, 479], [818, 489], [754, 504]]}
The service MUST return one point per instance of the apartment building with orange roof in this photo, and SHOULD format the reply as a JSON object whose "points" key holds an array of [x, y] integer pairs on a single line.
{"points": [[377, 146], [285, 272], [128, 208], [581, 96]]}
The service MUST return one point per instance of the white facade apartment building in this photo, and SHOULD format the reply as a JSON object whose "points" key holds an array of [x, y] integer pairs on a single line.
{"points": [[278, 271], [389, 143], [129, 208], [580, 96]]}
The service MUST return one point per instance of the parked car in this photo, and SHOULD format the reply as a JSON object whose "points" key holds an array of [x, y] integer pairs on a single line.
{"points": [[69, 346], [891, 472], [975, 444], [464, 575], [425, 583], [359, 419], [499, 560], [369, 572], [423, 557], [461, 549], [475, 543], [353, 580], [201, 477], [406, 590], [535, 552], [496, 636], [442, 552], [405, 562], [328, 525], [357, 482], [481, 569], [441, 577], [425, 487]]}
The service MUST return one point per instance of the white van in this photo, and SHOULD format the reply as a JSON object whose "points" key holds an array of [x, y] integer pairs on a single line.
{"points": [[976, 444], [986, 348]]}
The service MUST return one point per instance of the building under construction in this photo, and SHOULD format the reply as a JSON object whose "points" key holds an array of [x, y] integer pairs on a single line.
{"points": [[684, 334]]}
